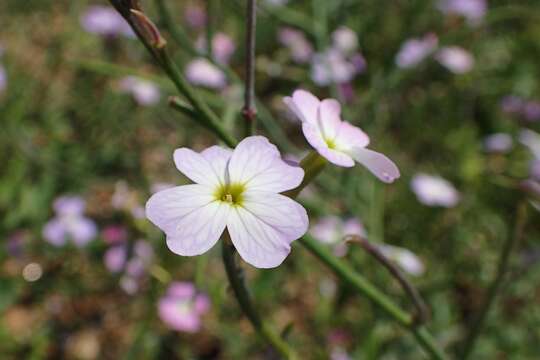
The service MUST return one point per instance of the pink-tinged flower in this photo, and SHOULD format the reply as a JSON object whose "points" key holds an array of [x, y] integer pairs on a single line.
{"points": [[531, 111], [69, 223], [512, 104], [144, 92], [195, 16], [105, 21], [297, 44], [531, 140], [182, 307], [498, 143], [455, 59], [115, 258], [434, 191], [331, 67], [114, 234], [223, 47], [235, 189], [331, 230], [404, 258], [472, 10], [414, 51], [345, 40], [3, 79], [338, 141], [202, 72]]}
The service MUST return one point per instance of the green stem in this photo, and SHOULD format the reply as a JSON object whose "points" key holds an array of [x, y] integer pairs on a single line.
{"points": [[363, 286], [312, 164], [242, 296], [502, 268]]}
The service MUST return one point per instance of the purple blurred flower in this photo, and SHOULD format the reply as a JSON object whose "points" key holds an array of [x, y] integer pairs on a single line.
{"points": [[332, 67], [3, 79], [531, 111], [434, 191], [498, 143], [114, 234], [276, 2], [202, 72], [404, 258], [413, 51], [69, 223], [182, 307], [512, 104], [472, 10], [345, 40], [298, 45], [455, 59], [16, 242], [195, 16], [144, 92], [534, 169], [531, 140], [115, 258], [105, 21], [223, 47], [331, 230]]}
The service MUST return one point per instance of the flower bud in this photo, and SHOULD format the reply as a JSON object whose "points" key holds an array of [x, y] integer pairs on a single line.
{"points": [[147, 29]]}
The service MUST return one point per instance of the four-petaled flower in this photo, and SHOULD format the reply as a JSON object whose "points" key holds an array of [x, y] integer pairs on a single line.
{"points": [[235, 189], [69, 223], [338, 141]]}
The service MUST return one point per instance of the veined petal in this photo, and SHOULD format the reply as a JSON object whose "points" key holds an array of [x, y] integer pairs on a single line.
{"points": [[218, 157], [278, 211], [381, 166], [350, 136], [167, 207], [257, 164], [198, 168], [313, 135], [258, 243], [304, 104], [198, 231], [336, 157], [329, 119]]}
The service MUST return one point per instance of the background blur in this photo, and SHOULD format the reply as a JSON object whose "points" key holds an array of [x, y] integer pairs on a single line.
{"points": [[83, 113]]}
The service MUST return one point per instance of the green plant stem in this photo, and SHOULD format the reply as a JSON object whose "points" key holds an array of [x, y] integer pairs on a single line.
{"points": [[249, 111], [502, 269], [312, 164], [242, 296], [363, 286]]}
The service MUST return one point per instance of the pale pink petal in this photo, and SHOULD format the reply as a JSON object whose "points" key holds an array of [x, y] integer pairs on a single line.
{"points": [[258, 243], [336, 157], [304, 104], [381, 166], [313, 135], [167, 207], [181, 290], [197, 167], [218, 157], [178, 316], [201, 303], [279, 211], [198, 231], [82, 230], [55, 232], [257, 164], [329, 120], [350, 136]]}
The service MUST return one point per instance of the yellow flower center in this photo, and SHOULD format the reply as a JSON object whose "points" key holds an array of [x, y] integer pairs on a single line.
{"points": [[231, 193], [331, 143]]}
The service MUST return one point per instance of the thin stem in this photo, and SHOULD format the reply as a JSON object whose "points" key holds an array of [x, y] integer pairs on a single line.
{"points": [[363, 286], [249, 111], [502, 269], [312, 164], [422, 313], [234, 274]]}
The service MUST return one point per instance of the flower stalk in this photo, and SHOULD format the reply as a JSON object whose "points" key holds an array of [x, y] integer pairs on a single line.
{"points": [[249, 111]]}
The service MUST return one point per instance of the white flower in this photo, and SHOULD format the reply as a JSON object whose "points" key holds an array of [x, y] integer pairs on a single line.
{"points": [[238, 190], [434, 191]]}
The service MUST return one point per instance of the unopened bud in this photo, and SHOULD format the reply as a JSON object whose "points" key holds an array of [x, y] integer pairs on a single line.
{"points": [[147, 29]]}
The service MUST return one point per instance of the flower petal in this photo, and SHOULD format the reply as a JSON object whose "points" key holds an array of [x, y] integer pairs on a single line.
{"points": [[257, 164], [313, 135], [278, 211], [264, 228], [55, 232], [200, 168], [304, 105], [198, 231], [350, 136], [329, 120], [82, 230], [336, 157], [167, 207], [381, 166]]}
